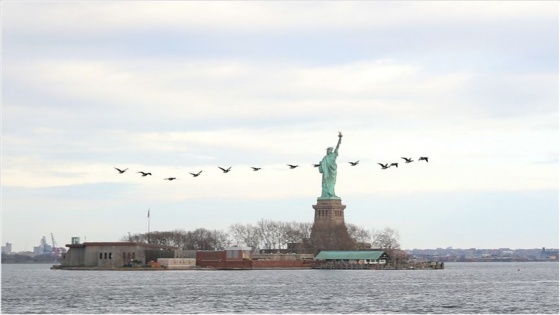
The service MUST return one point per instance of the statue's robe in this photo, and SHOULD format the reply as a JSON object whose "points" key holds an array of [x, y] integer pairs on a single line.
{"points": [[328, 169]]}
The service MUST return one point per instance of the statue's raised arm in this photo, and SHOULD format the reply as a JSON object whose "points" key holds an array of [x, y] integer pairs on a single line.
{"points": [[338, 144]]}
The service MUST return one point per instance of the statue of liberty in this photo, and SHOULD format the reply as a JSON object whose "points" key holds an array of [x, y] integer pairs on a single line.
{"points": [[327, 167]]}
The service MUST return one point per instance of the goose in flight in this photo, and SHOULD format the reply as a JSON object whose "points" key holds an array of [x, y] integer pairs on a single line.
{"points": [[292, 166], [255, 168], [225, 170], [170, 178], [144, 174], [407, 160], [121, 171], [195, 174], [384, 166], [394, 164], [354, 163], [317, 165], [425, 158]]}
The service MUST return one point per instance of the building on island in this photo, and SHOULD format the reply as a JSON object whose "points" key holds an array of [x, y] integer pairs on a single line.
{"points": [[244, 258], [359, 257], [113, 254], [118, 255], [365, 259]]}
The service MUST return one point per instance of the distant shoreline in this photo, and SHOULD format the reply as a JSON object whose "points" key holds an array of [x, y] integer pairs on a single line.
{"points": [[29, 263], [447, 262]]}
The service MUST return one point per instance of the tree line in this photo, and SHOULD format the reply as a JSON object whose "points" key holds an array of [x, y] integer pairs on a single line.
{"points": [[19, 259], [263, 235]]}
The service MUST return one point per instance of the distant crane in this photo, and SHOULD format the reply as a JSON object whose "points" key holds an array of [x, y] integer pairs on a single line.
{"points": [[55, 250], [53, 242]]}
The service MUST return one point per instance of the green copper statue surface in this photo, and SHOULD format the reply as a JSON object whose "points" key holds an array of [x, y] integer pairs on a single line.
{"points": [[328, 167]]}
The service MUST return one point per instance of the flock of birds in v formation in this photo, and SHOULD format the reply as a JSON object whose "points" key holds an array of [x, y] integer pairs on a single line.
{"points": [[291, 166]]}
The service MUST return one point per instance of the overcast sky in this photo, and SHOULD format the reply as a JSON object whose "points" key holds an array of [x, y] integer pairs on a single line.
{"points": [[178, 87]]}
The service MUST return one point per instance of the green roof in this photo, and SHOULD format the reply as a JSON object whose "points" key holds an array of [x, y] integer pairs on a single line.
{"points": [[356, 254]]}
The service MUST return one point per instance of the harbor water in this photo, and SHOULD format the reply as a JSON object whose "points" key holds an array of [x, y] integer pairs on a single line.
{"points": [[465, 288]]}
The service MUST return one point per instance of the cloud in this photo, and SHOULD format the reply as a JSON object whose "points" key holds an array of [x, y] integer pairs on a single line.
{"points": [[526, 94], [197, 90], [98, 18]]}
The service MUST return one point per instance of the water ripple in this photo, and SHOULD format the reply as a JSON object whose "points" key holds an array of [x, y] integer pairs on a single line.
{"points": [[462, 288]]}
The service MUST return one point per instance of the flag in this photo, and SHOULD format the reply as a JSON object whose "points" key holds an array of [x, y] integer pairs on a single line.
{"points": [[148, 213]]}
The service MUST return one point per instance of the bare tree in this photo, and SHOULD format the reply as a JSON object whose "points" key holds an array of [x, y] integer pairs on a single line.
{"points": [[304, 229], [296, 232], [244, 235], [157, 237], [177, 238], [387, 238], [279, 234], [358, 233], [200, 239], [137, 238], [237, 233], [267, 234], [221, 239], [270, 233]]}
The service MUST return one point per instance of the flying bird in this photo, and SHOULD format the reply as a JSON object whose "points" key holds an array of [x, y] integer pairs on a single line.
{"points": [[354, 163], [384, 166], [394, 164], [292, 166], [407, 160], [255, 168], [195, 175], [317, 165], [121, 171], [225, 170], [425, 158], [144, 174], [170, 178]]}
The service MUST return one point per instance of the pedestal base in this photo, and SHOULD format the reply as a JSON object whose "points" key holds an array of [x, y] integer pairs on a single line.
{"points": [[329, 231]]}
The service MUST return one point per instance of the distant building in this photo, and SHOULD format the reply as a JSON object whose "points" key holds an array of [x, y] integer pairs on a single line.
{"points": [[43, 248], [498, 255], [357, 257], [243, 258], [230, 258], [114, 254], [7, 249], [178, 263]]}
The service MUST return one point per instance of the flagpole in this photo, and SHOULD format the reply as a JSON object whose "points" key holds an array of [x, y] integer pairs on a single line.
{"points": [[148, 225]]}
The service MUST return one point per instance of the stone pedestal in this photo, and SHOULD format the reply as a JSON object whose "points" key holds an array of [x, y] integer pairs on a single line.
{"points": [[329, 231]]}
